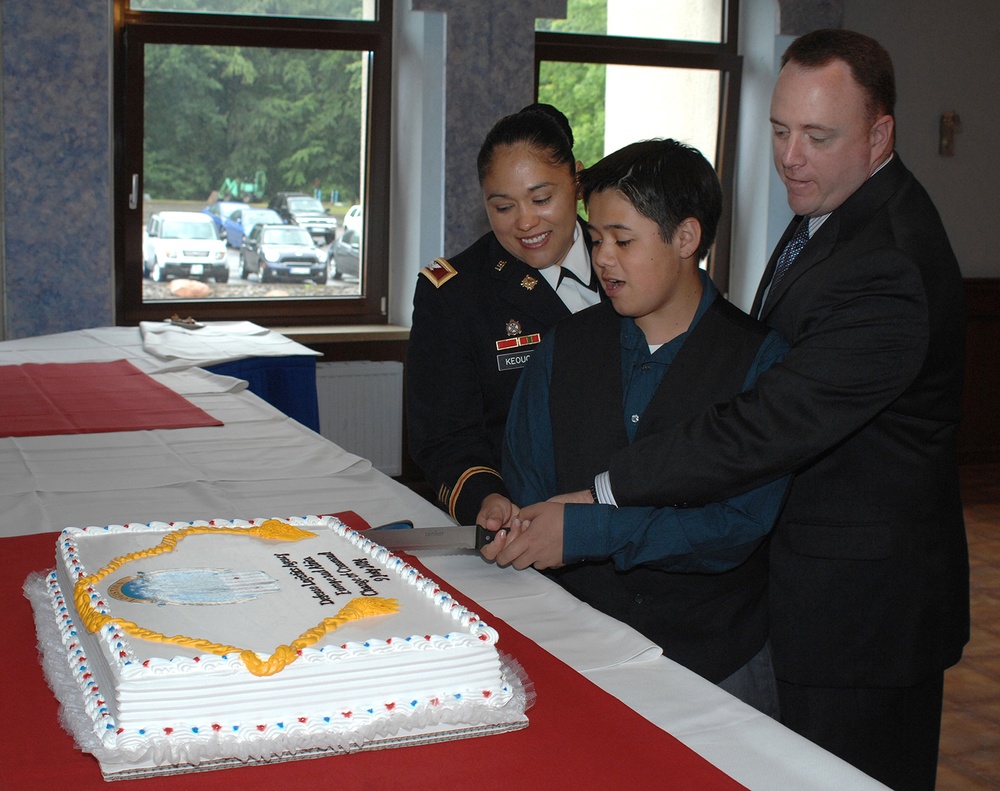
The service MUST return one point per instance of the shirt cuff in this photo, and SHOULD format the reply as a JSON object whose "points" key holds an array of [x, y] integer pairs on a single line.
{"points": [[602, 486]]}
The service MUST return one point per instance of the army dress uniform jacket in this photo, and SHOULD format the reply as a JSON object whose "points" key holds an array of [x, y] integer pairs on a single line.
{"points": [[476, 319]]}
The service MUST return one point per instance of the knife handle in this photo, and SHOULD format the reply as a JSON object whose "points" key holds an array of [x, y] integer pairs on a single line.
{"points": [[483, 536], [402, 524]]}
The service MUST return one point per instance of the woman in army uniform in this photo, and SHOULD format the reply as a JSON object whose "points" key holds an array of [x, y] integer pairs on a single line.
{"points": [[478, 316]]}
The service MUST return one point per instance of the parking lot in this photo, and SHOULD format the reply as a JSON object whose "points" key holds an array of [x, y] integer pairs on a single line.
{"points": [[237, 288]]}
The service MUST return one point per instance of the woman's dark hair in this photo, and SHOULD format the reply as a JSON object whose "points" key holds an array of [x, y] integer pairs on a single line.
{"points": [[664, 180], [540, 126]]}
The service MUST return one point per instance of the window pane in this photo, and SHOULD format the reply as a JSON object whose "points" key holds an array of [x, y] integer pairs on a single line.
{"points": [[610, 106], [682, 20], [578, 89], [314, 9], [252, 137]]}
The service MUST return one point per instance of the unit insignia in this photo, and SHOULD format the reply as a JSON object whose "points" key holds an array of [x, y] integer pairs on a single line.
{"points": [[439, 272]]}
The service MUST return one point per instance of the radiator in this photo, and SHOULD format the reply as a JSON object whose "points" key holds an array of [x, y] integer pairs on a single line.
{"points": [[361, 409]]}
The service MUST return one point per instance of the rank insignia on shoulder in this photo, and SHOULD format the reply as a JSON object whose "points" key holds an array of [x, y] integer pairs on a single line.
{"points": [[439, 272], [529, 282]]}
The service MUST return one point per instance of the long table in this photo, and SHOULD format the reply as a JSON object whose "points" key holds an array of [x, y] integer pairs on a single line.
{"points": [[261, 463]]}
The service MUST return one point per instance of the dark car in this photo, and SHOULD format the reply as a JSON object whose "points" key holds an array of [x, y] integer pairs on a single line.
{"points": [[297, 208], [345, 255], [241, 222], [282, 251]]}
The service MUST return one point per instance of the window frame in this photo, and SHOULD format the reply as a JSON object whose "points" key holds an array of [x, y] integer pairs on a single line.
{"points": [[669, 53], [133, 30]]}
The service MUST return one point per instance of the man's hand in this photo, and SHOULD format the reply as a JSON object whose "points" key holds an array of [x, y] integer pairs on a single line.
{"points": [[496, 512], [584, 497], [535, 538]]}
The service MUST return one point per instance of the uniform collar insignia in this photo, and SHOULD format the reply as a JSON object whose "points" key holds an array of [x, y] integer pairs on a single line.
{"points": [[529, 282]]}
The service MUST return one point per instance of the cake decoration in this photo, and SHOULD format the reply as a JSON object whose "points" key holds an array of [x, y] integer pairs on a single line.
{"points": [[95, 615]]}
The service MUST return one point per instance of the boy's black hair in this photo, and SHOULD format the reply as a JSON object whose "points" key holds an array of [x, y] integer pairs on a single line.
{"points": [[664, 180], [541, 126]]}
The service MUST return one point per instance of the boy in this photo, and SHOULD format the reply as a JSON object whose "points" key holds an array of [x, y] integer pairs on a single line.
{"points": [[663, 346]]}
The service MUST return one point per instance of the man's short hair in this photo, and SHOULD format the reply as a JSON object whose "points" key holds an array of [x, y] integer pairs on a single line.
{"points": [[664, 180], [868, 61]]}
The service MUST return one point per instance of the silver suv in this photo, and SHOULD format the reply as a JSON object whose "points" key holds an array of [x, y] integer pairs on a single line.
{"points": [[183, 244]]}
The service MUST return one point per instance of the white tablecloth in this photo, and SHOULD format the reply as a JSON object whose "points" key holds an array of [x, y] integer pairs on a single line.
{"points": [[156, 346], [260, 463]]}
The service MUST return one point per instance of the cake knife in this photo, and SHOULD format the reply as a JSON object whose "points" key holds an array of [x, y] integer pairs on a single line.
{"points": [[404, 536]]}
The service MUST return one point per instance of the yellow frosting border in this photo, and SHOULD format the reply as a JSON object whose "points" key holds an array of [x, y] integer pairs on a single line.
{"points": [[282, 656]]}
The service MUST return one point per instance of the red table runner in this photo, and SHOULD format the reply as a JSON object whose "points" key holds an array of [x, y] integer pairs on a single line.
{"points": [[87, 398], [578, 735]]}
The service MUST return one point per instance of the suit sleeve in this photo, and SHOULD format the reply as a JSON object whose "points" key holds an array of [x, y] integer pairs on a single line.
{"points": [[445, 405], [712, 538], [858, 337]]}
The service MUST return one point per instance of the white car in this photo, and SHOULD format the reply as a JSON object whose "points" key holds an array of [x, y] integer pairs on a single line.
{"points": [[183, 244], [354, 219]]}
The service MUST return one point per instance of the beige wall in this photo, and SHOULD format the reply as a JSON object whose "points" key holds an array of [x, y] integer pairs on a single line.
{"points": [[945, 54]]}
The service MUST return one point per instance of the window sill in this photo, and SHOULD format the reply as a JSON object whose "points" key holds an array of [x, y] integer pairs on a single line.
{"points": [[345, 334]]}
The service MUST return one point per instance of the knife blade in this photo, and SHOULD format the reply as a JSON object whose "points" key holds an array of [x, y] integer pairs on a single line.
{"points": [[448, 539]]}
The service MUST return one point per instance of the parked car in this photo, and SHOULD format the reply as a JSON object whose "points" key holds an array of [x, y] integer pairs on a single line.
{"points": [[345, 255], [354, 218], [282, 251], [220, 211], [241, 222], [297, 208], [183, 244]]}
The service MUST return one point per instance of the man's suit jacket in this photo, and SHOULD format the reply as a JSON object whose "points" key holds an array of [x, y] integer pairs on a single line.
{"points": [[869, 564], [472, 333]]}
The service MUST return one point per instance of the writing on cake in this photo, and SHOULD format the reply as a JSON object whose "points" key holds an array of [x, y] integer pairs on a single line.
{"points": [[341, 581]]}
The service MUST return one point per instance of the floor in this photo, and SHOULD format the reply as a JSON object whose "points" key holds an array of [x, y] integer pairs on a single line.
{"points": [[970, 728]]}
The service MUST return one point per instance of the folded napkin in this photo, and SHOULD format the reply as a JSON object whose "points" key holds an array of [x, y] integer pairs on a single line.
{"points": [[217, 328], [216, 342]]}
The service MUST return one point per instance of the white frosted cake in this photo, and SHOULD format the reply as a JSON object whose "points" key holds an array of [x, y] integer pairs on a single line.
{"points": [[194, 645]]}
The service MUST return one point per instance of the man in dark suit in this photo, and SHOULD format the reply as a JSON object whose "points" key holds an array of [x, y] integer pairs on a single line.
{"points": [[869, 580]]}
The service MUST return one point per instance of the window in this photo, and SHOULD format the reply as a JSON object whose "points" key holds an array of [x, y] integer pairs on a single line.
{"points": [[627, 70], [227, 112]]}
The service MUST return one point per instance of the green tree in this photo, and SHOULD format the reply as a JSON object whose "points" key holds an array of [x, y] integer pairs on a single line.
{"points": [[213, 113], [578, 88], [184, 131]]}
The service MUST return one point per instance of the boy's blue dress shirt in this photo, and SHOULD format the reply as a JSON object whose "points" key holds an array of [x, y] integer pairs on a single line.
{"points": [[711, 538]]}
